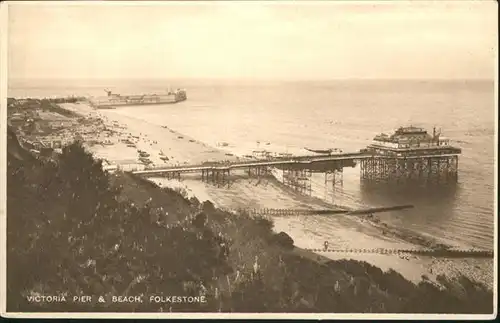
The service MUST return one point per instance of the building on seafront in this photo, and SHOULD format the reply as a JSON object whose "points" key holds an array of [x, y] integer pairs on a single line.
{"points": [[411, 153], [411, 140]]}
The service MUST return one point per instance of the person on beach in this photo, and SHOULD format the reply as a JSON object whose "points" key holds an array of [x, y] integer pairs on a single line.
{"points": [[326, 245], [337, 287], [202, 289], [256, 268]]}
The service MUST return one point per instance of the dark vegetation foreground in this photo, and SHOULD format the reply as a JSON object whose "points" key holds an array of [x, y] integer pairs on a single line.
{"points": [[76, 230]]}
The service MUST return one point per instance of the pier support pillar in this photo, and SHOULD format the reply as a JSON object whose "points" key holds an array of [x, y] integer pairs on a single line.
{"points": [[218, 177], [334, 178], [425, 169], [298, 179]]}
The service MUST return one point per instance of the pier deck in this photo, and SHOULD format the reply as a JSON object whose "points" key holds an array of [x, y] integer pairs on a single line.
{"points": [[276, 162]]}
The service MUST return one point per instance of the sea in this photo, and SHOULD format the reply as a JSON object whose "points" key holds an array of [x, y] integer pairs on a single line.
{"points": [[286, 116]]}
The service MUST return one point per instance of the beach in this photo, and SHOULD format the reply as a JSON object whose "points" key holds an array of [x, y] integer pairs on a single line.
{"points": [[125, 136]]}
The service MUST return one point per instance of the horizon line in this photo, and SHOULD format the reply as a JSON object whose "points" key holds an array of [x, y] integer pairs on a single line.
{"points": [[253, 79]]}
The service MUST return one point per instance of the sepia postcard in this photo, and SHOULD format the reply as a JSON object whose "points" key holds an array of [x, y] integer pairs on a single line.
{"points": [[249, 159]]}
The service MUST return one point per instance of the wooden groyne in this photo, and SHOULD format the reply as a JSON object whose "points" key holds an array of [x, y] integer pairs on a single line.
{"points": [[296, 212], [447, 253], [425, 252]]}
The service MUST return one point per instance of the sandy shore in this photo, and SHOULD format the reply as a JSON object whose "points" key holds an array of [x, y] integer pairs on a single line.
{"points": [[156, 141], [348, 232]]}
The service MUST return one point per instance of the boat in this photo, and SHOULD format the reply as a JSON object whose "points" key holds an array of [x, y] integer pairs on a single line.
{"points": [[113, 100], [320, 151], [324, 151]]}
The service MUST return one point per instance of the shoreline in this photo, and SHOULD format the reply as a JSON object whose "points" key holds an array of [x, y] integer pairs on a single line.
{"points": [[182, 149]]}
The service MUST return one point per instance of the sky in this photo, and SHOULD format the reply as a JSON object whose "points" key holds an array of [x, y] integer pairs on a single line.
{"points": [[254, 40]]}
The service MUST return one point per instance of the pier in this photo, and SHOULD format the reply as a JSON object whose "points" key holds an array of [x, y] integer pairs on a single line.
{"points": [[410, 154]]}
